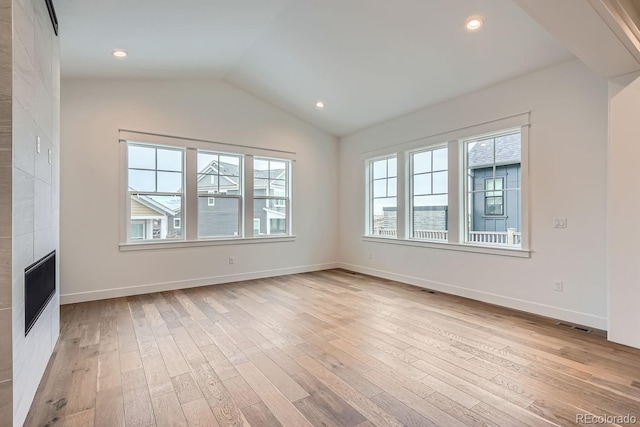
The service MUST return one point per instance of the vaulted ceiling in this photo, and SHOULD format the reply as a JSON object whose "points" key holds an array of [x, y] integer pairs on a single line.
{"points": [[368, 60]]}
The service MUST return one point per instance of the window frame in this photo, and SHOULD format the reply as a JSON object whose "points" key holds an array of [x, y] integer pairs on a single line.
{"points": [[457, 187], [286, 198], [189, 214], [370, 192], [131, 193], [493, 196], [466, 204], [410, 214], [221, 194]]}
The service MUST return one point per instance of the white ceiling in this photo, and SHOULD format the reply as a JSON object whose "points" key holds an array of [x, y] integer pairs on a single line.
{"points": [[368, 60]]}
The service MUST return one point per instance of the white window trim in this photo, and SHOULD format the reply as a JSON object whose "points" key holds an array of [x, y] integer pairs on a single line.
{"points": [[177, 221], [369, 179], [126, 218], [410, 196], [457, 189], [190, 193], [286, 198]]}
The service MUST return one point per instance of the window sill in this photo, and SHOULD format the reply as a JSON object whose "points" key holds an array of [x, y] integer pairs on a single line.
{"points": [[489, 250], [125, 247]]}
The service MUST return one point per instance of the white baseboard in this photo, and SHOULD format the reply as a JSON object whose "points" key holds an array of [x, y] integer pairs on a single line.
{"points": [[191, 283], [515, 303]]}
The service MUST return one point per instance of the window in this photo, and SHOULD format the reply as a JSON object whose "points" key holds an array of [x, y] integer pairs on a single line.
{"points": [[271, 194], [429, 194], [137, 230], [219, 194], [277, 225], [493, 197], [383, 197], [155, 191], [493, 204], [189, 192], [465, 192]]}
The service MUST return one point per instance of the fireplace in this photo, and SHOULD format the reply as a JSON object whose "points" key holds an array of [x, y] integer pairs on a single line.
{"points": [[39, 287]]}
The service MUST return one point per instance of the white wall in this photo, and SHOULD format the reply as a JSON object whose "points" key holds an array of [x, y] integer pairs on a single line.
{"points": [[93, 267], [624, 205], [568, 141]]}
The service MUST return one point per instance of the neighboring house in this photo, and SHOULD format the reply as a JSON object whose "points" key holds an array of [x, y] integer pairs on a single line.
{"points": [[496, 202], [269, 215], [159, 217], [154, 217], [218, 216]]}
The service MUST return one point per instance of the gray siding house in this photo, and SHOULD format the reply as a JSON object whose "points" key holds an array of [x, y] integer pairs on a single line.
{"points": [[495, 202], [219, 190]]}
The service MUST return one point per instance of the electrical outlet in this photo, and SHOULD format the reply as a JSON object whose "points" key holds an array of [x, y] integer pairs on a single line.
{"points": [[232, 260], [557, 285]]}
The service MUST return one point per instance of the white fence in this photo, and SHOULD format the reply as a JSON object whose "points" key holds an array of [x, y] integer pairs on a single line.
{"points": [[440, 235], [511, 237]]}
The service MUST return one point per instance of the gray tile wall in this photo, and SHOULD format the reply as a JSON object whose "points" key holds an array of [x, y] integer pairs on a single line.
{"points": [[6, 360], [35, 192]]}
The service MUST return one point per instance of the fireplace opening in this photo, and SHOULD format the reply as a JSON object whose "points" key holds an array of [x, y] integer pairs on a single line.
{"points": [[39, 287]]}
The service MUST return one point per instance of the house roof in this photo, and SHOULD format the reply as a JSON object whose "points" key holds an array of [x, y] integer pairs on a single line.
{"points": [[165, 205], [172, 205], [261, 177], [506, 149]]}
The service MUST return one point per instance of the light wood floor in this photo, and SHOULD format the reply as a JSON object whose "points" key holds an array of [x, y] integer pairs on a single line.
{"points": [[328, 348]]}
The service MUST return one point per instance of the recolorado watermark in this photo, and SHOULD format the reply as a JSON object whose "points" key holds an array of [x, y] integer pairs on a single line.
{"points": [[606, 419]]}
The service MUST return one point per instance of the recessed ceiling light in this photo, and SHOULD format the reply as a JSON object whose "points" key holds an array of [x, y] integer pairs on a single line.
{"points": [[320, 105], [119, 53], [474, 23]]}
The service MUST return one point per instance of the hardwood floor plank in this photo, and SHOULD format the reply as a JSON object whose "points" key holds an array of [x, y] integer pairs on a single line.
{"points": [[326, 401], [222, 405], [360, 402], [185, 343], [198, 414], [408, 416], [172, 356], [241, 392], [168, 411], [84, 379], [109, 408], [157, 375], [138, 410], [355, 380], [281, 408], [186, 388], [279, 378], [130, 361], [134, 379], [80, 419], [259, 415], [330, 348], [109, 374]]}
